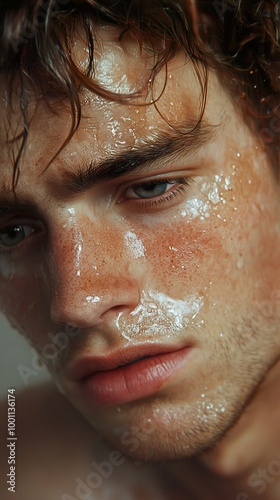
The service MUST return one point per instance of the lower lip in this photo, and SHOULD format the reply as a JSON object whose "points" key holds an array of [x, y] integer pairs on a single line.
{"points": [[138, 380]]}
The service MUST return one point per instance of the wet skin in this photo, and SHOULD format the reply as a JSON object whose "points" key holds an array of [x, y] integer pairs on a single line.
{"points": [[190, 261]]}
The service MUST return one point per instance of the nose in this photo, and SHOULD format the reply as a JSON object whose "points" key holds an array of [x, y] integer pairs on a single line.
{"points": [[92, 276]]}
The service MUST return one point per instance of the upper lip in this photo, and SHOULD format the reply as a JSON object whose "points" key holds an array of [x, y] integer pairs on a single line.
{"points": [[89, 365]]}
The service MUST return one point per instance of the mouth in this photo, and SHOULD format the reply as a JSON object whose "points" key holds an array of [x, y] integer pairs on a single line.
{"points": [[129, 374], [136, 360]]}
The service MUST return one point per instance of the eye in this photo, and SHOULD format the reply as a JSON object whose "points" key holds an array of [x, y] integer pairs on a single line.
{"points": [[149, 189], [12, 236], [152, 195]]}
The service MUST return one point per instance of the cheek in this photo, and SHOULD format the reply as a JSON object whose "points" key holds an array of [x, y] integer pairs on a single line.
{"points": [[183, 257], [16, 303], [23, 302]]}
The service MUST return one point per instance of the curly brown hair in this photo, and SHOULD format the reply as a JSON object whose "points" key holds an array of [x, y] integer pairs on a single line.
{"points": [[238, 38]]}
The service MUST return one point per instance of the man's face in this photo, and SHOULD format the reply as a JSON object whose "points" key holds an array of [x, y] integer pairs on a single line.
{"points": [[176, 259]]}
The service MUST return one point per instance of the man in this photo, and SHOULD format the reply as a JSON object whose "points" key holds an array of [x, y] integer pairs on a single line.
{"points": [[140, 236]]}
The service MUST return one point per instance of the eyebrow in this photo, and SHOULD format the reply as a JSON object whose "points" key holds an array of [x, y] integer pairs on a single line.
{"points": [[160, 146], [14, 206]]}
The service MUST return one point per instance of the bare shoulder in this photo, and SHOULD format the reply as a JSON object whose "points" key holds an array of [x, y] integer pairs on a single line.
{"points": [[53, 444], [43, 415]]}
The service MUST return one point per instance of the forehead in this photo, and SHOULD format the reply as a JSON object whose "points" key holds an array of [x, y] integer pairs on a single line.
{"points": [[108, 127]]}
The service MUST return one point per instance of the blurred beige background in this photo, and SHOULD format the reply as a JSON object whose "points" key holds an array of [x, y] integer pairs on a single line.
{"points": [[18, 366]]}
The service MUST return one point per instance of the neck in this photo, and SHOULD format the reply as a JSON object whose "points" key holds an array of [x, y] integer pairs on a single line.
{"points": [[248, 458], [255, 439]]}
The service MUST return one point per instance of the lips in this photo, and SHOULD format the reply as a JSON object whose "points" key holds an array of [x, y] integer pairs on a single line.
{"points": [[129, 374]]}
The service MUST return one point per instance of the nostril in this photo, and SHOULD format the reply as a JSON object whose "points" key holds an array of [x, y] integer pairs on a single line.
{"points": [[70, 306], [116, 311]]}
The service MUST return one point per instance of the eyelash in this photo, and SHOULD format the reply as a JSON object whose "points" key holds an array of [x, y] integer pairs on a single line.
{"points": [[145, 204]]}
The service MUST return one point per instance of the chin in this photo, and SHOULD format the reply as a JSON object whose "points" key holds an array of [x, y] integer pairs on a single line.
{"points": [[163, 446], [158, 433]]}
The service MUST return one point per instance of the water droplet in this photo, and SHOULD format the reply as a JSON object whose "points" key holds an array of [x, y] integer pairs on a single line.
{"points": [[92, 300], [240, 263]]}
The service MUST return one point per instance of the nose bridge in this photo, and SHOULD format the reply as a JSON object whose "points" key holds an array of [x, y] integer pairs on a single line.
{"points": [[91, 274]]}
